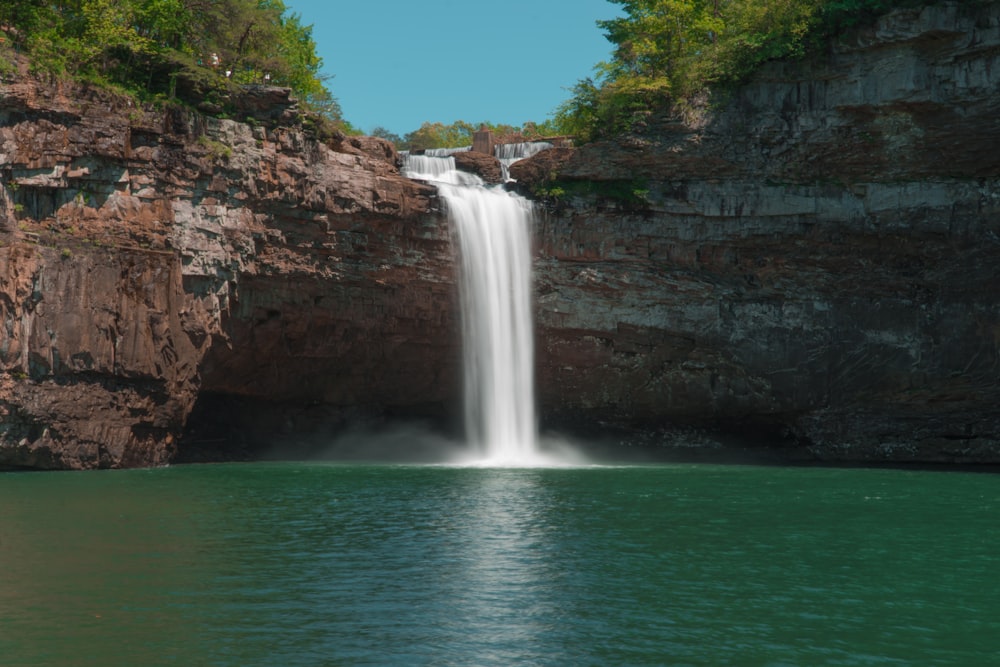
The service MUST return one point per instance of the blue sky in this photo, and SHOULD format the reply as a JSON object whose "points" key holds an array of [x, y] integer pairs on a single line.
{"points": [[398, 63]]}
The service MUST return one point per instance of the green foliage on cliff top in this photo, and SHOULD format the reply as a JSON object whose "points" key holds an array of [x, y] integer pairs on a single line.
{"points": [[162, 49], [459, 133], [668, 51]]}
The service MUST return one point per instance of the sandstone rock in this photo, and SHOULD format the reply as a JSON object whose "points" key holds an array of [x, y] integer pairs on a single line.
{"points": [[149, 257], [541, 167], [814, 262], [98, 360], [485, 166], [374, 147], [265, 103]]}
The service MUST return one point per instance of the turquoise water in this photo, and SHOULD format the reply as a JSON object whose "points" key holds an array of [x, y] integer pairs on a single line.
{"points": [[321, 564]]}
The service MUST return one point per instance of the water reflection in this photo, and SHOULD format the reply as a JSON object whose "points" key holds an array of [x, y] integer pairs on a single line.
{"points": [[284, 564], [500, 589]]}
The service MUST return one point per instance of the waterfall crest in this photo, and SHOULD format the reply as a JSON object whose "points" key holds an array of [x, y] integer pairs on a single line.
{"points": [[492, 230], [508, 154]]}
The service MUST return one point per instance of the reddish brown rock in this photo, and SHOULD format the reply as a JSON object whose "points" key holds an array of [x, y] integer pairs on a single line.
{"points": [[376, 148], [101, 356], [541, 167], [482, 165], [262, 103], [150, 257]]}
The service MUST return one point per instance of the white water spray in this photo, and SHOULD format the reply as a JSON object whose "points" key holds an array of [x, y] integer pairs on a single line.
{"points": [[492, 230]]}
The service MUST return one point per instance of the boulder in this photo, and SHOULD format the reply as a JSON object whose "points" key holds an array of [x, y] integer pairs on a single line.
{"points": [[482, 165]]}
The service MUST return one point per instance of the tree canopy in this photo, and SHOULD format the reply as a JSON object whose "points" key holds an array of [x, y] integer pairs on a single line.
{"points": [[459, 133], [163, 48], [668, 51]]}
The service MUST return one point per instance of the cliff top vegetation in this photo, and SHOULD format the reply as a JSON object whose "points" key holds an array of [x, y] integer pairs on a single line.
{"points": [[459, 133], [668, 52], [194, 51]]}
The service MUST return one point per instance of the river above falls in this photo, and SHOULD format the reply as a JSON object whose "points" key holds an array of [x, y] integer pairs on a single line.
{"points": [[337, 564]]}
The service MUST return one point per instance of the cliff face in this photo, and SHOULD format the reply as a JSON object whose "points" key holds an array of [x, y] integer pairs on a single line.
{"points": [[149, 258], [816, 261]]}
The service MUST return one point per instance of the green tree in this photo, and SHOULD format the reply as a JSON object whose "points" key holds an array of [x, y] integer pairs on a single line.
{"points": [[383, 133], [666, 51], [163, 22], [25, 17], [148, 46], [439, 135], [459, 133]]}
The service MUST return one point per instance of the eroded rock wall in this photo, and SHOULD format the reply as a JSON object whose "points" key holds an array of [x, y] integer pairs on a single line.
{"points": [[816, 261], [148, 257]]}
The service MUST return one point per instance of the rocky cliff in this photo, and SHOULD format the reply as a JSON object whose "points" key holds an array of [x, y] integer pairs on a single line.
{"points": [[814, 261], [155, 262], [812, 264]]}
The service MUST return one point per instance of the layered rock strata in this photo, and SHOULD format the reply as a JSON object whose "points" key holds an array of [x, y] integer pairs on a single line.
{"points": [[815, 261], [148, 258]]}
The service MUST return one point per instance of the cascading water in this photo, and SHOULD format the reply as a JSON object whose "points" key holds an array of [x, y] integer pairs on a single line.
{"points": [[492, 230], [508, 154]]}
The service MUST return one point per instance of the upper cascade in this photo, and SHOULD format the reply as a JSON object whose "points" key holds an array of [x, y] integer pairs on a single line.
{"points": [[519, 151], [434, 164], [437, 169], [508, 154], [445, 152], [428, 167]]}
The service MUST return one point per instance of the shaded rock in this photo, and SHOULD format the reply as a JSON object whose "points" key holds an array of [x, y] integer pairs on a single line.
{"points": [[149, 256], [540, 168], [482, 165], [265, 103], [814, 262]]}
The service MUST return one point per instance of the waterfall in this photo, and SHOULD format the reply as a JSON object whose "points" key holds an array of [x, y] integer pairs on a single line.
{"points": [[445, 152], [492, 230], [508, 154]]}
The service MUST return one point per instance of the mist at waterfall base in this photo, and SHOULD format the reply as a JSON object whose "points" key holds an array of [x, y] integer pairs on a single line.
{"points": [[507, 560], [491, 230]]}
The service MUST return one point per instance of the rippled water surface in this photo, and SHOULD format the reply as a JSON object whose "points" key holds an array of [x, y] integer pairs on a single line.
{"points": [[320, 564]]}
